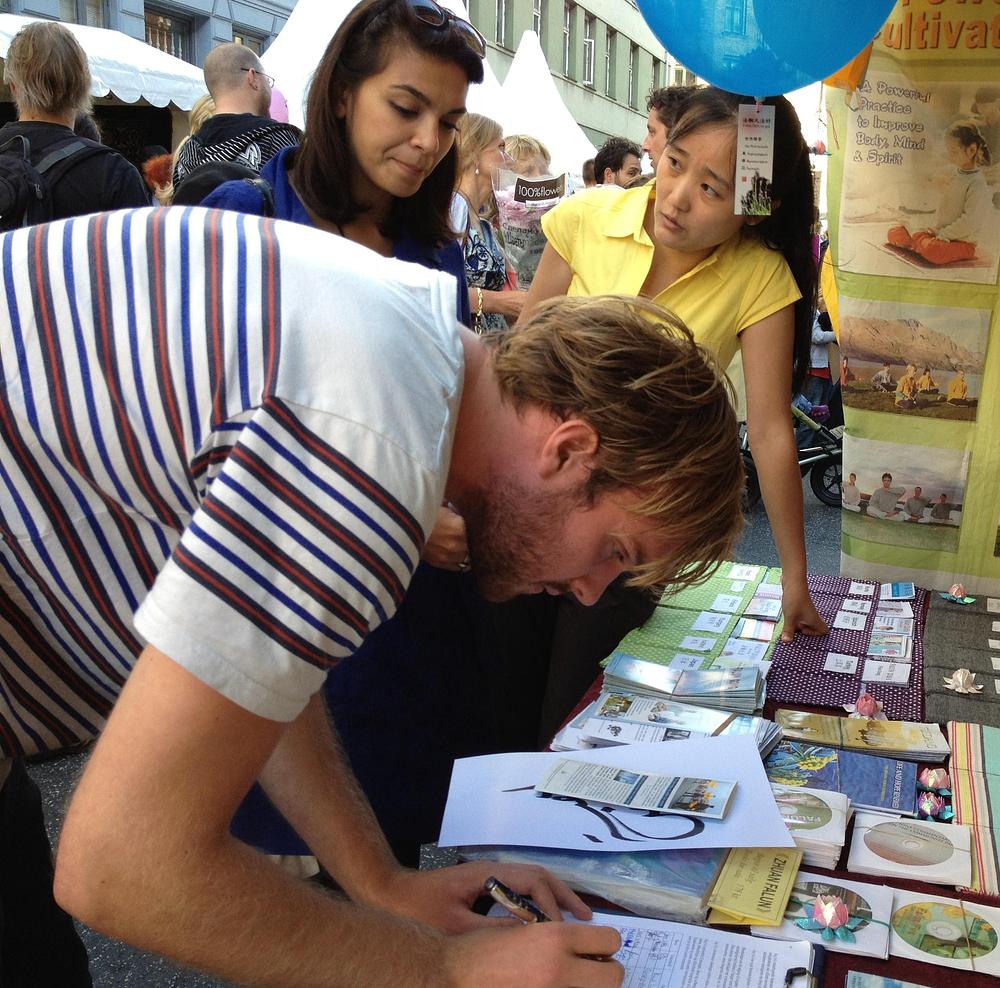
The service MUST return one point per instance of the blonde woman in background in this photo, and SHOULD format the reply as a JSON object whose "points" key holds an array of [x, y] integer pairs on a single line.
{"points": [[481, 150], [528, 156]]}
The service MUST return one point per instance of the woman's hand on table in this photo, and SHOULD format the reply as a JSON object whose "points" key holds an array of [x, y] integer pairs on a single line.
{"points": [[446, 546], [799, 611]]}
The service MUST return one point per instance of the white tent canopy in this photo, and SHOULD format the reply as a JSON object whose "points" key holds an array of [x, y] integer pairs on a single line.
{"points": [[296, 52], [124, 66], [532, 105]]}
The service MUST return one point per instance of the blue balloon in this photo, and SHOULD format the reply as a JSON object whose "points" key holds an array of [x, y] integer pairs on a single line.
{"points": [[764, 47]]}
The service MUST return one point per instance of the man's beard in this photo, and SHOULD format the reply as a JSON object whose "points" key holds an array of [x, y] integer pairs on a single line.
{"points": [[511, 532]]}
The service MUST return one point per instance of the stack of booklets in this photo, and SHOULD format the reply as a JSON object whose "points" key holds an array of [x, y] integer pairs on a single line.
{"points": [[740, 689], [884, 785], [673, 884], [622, 717], [817, 820], [896, 738]]}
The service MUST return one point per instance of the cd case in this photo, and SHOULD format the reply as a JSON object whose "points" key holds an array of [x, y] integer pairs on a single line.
{"points": [[948, 932], [917, 849]]}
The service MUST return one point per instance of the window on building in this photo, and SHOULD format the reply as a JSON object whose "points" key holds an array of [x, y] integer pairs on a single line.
{"points": [[657, 73], [249, 39], [169, 33], [609, 63], [501, 33], [89, 12], [568, 10], [633, 76], [537, 17], [588, 50], [679, 75], [735, 16]]}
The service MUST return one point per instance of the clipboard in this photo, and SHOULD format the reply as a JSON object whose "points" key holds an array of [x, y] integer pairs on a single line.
{"points": [[812, 977]]}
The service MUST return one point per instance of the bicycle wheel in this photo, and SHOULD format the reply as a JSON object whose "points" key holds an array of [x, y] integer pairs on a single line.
{"points": [[825, 479]]}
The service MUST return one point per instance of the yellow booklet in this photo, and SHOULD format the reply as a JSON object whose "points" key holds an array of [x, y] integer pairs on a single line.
{"points": [[754, 886], [888, 737]]}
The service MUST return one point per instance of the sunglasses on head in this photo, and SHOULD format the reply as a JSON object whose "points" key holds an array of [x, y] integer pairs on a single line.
{"points": [[434, 15]]}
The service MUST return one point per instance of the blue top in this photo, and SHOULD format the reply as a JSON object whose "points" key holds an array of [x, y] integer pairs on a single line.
{"points": [[243, 197]]}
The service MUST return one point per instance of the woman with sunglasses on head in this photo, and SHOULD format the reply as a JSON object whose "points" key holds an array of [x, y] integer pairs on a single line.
{"points": [[378, 166]]}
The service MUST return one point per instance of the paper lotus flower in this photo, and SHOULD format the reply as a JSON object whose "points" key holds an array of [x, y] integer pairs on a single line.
{"points": [[935, 780], [929, 804], [962, 681], [830, 910], [832, 919], [957, 590], [866, 708]]}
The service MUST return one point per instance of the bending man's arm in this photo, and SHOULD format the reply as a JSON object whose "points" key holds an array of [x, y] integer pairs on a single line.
{"points": [[146, 856]]}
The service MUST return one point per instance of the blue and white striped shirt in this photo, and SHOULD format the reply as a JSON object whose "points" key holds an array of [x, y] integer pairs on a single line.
{"points": [[252, 418]]}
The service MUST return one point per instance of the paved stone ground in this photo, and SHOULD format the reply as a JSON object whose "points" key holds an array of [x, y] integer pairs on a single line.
{"points": [[116, 965]]}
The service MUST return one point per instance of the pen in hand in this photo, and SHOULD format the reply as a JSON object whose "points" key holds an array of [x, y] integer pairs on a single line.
{"points": [[516, 904]]}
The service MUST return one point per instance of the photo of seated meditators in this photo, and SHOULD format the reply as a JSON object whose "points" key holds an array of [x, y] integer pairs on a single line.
{"points": [[904, 495], [924, 361], [920, 199]]}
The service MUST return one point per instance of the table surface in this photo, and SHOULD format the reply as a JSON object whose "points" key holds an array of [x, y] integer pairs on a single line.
{"points": [[838, 964]]}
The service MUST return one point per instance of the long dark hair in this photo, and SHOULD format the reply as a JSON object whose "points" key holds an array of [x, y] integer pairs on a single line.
{"points": [[789, 227], [323, 164]]}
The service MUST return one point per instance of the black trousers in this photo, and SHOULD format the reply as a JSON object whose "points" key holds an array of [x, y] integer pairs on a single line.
{"points": [[39, 946]]}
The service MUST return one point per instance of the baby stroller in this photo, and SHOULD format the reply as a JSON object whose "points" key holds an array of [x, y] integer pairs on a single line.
{"points": [[820, 454]]}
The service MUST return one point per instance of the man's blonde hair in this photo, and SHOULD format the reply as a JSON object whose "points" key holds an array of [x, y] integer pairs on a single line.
{"points": [[475, 134], [522, 147], [660, 405], [48, 69]]}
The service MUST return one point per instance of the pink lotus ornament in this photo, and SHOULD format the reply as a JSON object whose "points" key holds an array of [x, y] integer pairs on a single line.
{"points": [[957, 590], [830, 911], [935, 780], [866, 707], [956, 593], [930, 805]]}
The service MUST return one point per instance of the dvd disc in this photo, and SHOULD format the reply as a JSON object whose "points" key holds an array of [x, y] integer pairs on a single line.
{"points": [[803, 810], [909, 844], [944, 930]]}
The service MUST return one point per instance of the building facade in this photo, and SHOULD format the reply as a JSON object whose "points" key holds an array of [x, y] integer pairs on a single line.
{"points": [[603, 57]]}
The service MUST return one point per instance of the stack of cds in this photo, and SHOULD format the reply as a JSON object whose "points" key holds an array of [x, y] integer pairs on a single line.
{"points": [[817, 820]]}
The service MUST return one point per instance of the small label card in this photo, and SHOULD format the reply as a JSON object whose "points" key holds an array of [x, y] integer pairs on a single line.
{"points": [[835, 662], [738, 648], [993, 605], [686, 662], [849, 621], [897, 608], [996, 685], [727, 602], [743, 572], [707, 621], [857, 589], [738, 586], [697, 643], [995, 659], [994, 643], [858, 606], [769, 607], [996, 625], [897, 673]]}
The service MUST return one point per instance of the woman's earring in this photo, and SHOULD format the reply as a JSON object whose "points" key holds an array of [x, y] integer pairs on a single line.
{"points": [[477, 169]]}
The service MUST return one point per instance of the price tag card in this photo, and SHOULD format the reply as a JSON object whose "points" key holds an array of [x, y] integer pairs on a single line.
{"points": [[737, 586], [896, 673], [686, 662], [835, 662], [743, 572], [696, 643], [993, 605], [707, 621], [858, 606], [857, 589], [727, 602], [849, 621]]}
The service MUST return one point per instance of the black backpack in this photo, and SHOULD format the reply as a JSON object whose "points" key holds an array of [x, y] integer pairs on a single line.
{"points": [[26, 188]]}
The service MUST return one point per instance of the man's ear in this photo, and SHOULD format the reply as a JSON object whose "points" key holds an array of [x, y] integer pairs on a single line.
{"points": [[571, 446]]}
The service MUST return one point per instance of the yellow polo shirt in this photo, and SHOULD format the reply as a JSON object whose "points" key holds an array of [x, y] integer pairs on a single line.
{"points": [[599, 234]]}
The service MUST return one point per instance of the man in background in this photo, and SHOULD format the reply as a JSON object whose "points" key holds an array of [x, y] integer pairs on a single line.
{"points": [[240, 130], [588, 174], [617, 163]]}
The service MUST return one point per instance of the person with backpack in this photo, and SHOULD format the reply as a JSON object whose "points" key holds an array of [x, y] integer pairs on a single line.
{"points": [[47, 172], [240, 129]]}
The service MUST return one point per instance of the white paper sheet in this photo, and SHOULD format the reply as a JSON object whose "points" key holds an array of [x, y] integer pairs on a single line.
{"points": [[492, 801]]}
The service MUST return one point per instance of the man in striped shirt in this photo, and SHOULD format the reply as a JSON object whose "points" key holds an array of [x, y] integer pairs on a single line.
{"points": [[240, 433]]}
